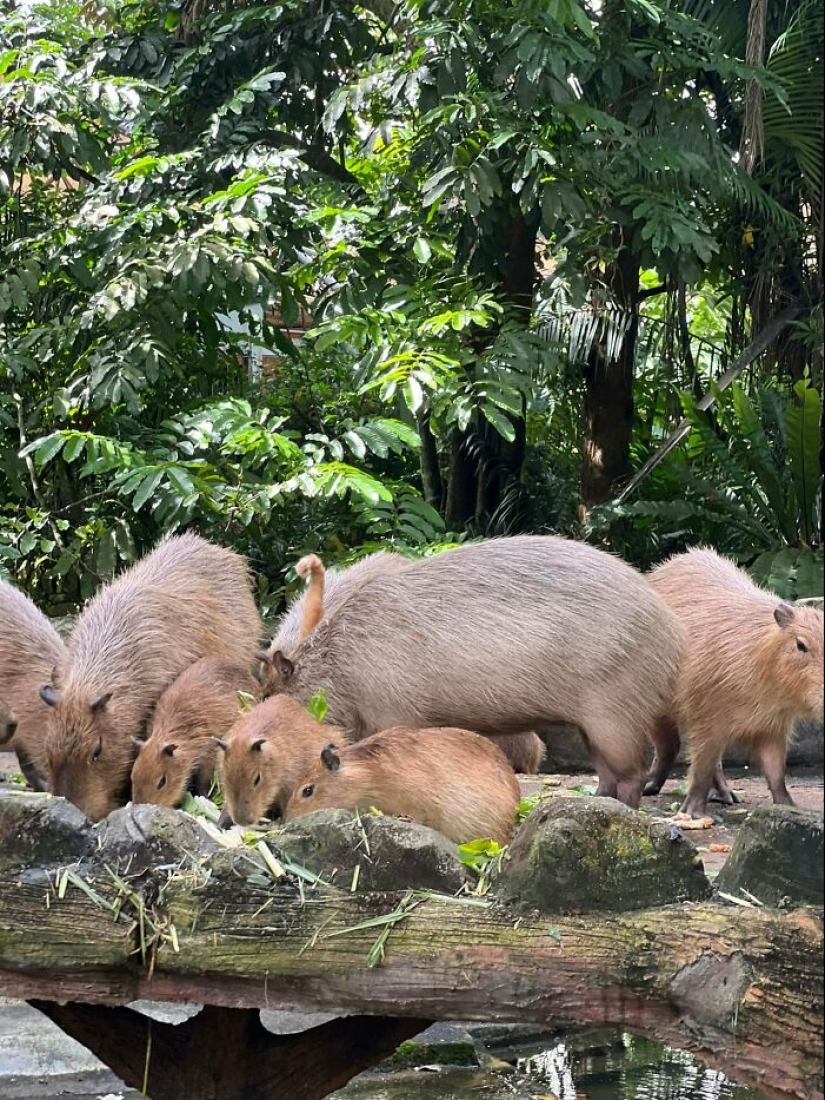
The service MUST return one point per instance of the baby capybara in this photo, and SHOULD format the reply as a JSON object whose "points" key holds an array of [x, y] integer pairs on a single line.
{"points": [[181, 752], [752, 664], [267, 753], [326, 590], [525, 751], [30, 647], [500, 637], [185, 600], [452, 780]]}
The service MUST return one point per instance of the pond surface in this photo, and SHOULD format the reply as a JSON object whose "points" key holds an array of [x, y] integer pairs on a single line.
{"points": [[603, 1066]]}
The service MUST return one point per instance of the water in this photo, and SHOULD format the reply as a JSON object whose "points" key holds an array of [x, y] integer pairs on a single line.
{"points": [[595, 1066]]}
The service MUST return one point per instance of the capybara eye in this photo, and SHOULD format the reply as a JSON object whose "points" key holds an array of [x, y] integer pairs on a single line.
{"points": [[800, 645], [308, 792], [97, 753], [161, 782], [256, 780]]}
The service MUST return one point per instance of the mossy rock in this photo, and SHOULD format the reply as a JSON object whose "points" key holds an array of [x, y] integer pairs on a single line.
{"points": [[580, 855], [778, 857], [143, 837], [388, 854], [40, 830]]}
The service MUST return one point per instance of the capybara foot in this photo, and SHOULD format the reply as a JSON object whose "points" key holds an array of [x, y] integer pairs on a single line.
{"points": [[725, 798], [695, 805], [653, 785]]}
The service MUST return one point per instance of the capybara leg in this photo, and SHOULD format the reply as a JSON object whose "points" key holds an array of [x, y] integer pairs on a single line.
{"points": [[665, 738], [619, 763], [30, 773], [608, 783], [721, 790], [704, 759], [630, 792], [772, 759]]}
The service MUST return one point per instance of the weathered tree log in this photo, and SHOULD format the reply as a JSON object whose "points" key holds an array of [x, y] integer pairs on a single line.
{"points": [[226, 1052], [733, 986]]}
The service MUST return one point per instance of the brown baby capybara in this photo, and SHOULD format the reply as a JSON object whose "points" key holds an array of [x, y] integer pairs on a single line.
{"points": [[451, 780], [500, 637], [752, 664], [525, 751], [30, 647], [181, 752], [185, 600], [326, 590], [268, 751]]}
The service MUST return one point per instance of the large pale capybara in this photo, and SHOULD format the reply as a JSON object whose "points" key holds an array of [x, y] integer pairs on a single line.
{"points": [[185, 600], [267, 753], [500, 637], [449, 779], [325, 593], [752, 664], [181, 752], [30, 647]]}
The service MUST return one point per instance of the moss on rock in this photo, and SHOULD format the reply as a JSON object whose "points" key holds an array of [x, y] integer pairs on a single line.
{"points": [[576, 855]]}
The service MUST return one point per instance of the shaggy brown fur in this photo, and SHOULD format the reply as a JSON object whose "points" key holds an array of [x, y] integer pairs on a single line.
{"points": [[525, 751], [181, 753], [269, 751], [751, 665], [448, 779], [185, 600], [30, 647]]}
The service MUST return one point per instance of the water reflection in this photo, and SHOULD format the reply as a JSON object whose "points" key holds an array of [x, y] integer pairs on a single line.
{"points": [[626, 1067]]}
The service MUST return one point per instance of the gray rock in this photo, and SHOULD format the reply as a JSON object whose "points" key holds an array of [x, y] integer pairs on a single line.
{"points": [[147, 837], [579, 855], [390, 854], [777, 856], [39, 830]]}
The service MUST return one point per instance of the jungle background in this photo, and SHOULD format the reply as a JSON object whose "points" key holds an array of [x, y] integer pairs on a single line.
{"points": [[322, 276]]}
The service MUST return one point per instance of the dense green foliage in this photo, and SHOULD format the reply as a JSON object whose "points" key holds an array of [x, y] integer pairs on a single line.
{"points": [[524, 237]]}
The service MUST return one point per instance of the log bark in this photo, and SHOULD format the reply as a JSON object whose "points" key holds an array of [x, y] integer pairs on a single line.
{"points": [[734, 986]]}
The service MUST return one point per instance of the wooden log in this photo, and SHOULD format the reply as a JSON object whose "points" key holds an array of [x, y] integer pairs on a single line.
{"points": [[734, 986], [226, 1052]]}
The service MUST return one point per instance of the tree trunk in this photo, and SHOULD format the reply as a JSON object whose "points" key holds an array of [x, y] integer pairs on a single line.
{"points": [[608, 409], [431, 479]]}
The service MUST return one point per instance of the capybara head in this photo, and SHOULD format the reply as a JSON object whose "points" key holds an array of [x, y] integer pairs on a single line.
{"points": [[275, 673], [794, 666], [332, 784], [87, 763], [162, 770], [267, 753]]}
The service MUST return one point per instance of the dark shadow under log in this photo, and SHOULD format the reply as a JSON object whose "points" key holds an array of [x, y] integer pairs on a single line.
{"points": [[227, 1053]]}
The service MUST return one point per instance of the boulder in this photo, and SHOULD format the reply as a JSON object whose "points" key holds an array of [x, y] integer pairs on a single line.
{"points": [[143, 837], [579, 855], [39, 830], [389, 854], [777, 857]]}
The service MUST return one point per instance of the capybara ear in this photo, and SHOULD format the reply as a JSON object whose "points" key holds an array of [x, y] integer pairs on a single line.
{"points": [[329, 758], [784, 615], [139, 743], [8, 731], [49, 695], [101, 702], [169, 750], [256, 746], [222, 745], [281, 663]]}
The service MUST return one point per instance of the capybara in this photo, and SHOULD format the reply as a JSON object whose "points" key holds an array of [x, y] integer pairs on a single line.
{"points": [[500, 637], [185, 600], [751, 664], [449, 779], [268, 751], [326, 590], [30, 647], [181, 752], [525, 751]]}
